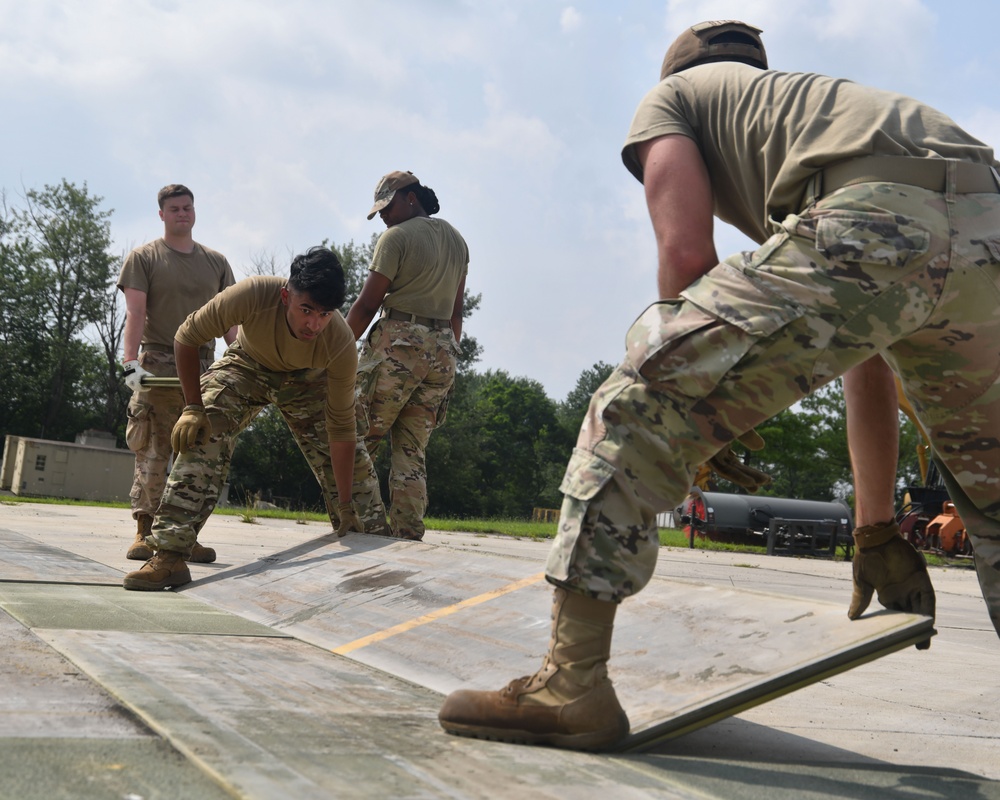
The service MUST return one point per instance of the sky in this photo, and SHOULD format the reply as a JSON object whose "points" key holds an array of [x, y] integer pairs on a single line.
{"points": [[281, 116]]}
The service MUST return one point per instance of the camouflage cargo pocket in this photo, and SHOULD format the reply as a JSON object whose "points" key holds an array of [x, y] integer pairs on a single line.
{"points": [[442, 412], [586, 474], [139, 425], [367, 378], [870, 239]]}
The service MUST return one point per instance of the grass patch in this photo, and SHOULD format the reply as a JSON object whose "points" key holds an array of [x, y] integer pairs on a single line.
{"points": [[521, 529]]}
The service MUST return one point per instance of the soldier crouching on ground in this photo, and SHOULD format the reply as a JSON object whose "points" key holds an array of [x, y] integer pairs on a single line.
{"points": [[294, 350], [878, 220]]}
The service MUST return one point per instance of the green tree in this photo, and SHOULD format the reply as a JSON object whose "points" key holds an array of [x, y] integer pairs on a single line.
{"points": [[522, 446], [454, 477], [55, 251], [574, 408]]}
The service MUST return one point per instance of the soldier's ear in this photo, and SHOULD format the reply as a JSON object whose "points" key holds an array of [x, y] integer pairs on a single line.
{"points": [[284, 296]]}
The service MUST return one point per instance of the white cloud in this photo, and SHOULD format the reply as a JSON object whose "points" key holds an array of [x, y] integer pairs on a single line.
{"points": [[282, 116], [570, 19]]}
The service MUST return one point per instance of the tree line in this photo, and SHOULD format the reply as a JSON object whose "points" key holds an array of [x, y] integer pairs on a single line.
{"points": [[501, 451]]}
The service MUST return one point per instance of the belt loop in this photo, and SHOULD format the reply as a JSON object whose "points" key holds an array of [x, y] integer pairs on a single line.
{"points": [[950, 180], [814, 189]]}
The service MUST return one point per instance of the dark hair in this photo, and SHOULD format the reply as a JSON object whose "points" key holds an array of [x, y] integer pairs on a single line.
{"points": [[173, 190], [317, 273], [425, 196]]}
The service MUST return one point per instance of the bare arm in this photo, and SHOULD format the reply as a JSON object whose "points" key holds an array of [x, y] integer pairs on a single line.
{"points": [[135, 321], [342, 456], [873, 439], [679, 198], [364, 308], [456, 311], [189, 371]]}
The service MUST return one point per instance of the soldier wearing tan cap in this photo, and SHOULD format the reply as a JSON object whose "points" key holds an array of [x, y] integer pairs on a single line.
{"points": [[406, 370]]}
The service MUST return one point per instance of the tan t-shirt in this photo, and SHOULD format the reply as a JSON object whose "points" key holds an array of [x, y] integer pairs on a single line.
{"points": [[425, 259], [763, 133], [175, 284], [255, 305]]}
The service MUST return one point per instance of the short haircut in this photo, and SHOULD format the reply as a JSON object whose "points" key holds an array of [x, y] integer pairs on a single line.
{"points": [[173, 190], [317, 273]]}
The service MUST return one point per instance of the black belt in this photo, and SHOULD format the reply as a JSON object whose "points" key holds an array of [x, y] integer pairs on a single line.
{"points": [[203, 352], [926, 173], [429, 322]]}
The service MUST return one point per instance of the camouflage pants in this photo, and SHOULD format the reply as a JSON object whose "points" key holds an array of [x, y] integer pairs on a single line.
{"points": [[236, 389], [406, 373], [872, 268], [152, 414]]}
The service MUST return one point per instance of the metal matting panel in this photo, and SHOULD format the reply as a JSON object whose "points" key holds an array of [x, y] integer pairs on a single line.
{"points": [[23, 559], [278, 718], [717, 652], [682, 653]]}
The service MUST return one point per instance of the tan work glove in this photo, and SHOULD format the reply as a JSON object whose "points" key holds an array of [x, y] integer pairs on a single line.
{"points": [[188, 429], [349, 520], [727, 465], [885, 562]]}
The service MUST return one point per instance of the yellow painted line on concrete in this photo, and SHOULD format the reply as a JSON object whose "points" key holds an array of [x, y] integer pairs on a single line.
{"points": [[435, 615]]}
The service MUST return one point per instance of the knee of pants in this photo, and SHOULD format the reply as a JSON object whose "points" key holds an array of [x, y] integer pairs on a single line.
{"points": [[608, 542]]}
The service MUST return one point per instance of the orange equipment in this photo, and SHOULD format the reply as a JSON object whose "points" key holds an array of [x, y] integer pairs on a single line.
{"points": [[946, 532], [929, 520]]}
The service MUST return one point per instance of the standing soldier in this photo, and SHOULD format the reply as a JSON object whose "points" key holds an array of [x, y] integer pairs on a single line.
{"points": [[294, 351], [408, 362], [163, 281], [878, 224]]}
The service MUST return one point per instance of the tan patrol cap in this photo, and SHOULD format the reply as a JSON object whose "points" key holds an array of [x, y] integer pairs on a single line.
{"points": [[387, 187], [717, 40]]}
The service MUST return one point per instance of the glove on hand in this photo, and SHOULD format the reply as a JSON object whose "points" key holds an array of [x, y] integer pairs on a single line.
{"points": [[885, 562], [727, 465], [188, 429], [134, 375], [349, 520]]}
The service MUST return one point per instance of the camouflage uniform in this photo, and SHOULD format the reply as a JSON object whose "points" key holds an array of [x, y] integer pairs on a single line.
{"points": [[872, 268], [406, 373], [234, 390], [152, 414]]}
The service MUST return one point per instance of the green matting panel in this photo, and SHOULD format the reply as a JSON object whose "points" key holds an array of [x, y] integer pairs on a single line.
{"points": [[111, 608]]}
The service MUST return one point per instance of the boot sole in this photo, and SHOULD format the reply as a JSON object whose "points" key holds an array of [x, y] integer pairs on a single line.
{"points": [[137, 584], [594, 741]]}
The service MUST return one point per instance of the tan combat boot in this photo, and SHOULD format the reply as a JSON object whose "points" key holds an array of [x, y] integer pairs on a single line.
{"points": [[201, 554], [569, 702], [166, 568], [140, 551]]}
